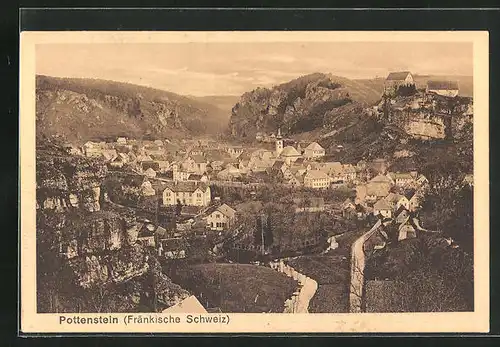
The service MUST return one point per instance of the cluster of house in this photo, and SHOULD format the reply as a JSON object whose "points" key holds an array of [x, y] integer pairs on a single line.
{"points": [[203, 163], [391, 195], [398, 79], [175, 242]]}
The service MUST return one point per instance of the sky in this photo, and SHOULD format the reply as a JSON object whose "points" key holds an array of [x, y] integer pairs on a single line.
{"points": [[229, 68]]}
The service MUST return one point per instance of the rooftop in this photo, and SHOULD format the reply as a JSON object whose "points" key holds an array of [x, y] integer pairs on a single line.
{"points": [[442, 85], [315, 147], [186, 186], [382, 204], [289, 151], [398, 76], [316, 174]]}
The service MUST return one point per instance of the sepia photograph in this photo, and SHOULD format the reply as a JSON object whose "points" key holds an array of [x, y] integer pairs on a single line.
{"points": [[213, 177]]}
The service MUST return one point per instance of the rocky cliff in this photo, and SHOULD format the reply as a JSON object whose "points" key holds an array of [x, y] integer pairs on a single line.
{"points": [[301, 105], [82, 109], [428, 116], [65, 181], [418, 131], [88, 254]]}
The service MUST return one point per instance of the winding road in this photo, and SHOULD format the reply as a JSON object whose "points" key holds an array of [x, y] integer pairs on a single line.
{"points": [[358, 263]]}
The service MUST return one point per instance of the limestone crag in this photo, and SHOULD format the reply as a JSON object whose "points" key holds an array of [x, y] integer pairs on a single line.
{"points": [[300, 105], [429, 116], [84, 109]]}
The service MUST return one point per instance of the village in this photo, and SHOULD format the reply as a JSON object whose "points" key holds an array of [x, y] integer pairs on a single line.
{"points": [[201, 198], [165, 175]]}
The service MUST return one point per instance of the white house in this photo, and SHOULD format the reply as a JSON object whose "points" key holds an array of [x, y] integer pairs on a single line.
{"points": [[187, 193], [383, 208], [179, 175], [402, 179], [289, 154], [422, 180], [172, 248], [195, 164], [92, 149], [147, 189], [316, 179], [415, 201], [406, 230], [221, 218], [234, 151], [349, 172], [150, 173], [444, 88], [314, 150], [189, 305], [120, 160]]}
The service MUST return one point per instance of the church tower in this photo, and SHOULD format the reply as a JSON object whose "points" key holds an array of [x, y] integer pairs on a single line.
{"points": [[279, 143]]}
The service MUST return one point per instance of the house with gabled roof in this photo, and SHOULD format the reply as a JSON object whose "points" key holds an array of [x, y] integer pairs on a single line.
{"points": [[195, 164], [397, 79], [289, 154], [146, 235], [348, 208], [422, 180], [230, 173], [347, 173], [142, 157], [220, 217], [197, 177], [376, 191], [401, 214], [443, 88], [137, 184], [316, 179], [415, 198], [402, 179], [108, 154], [234, 151], [293, 181], [187, 193], [163, 161], [145, 165], [120, 160], [314, 150], [397, 200], [383, 208], [406, 230]]}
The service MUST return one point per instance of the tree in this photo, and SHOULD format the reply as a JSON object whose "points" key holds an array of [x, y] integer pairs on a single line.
{"points": [[178, 208], [460, 224]]}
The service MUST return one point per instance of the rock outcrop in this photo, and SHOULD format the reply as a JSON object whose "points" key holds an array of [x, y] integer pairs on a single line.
{"points": [[304, 104], [88, 250], [83, 109], [65, 181], [428, 116]]}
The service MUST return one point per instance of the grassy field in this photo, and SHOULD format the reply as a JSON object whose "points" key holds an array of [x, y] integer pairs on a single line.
{"points": [[237, 287], [332, 274]]}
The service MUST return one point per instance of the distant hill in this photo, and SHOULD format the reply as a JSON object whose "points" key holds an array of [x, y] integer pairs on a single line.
{"points": [[465, 82], [224, 102], [82, 109], [301, 105]]}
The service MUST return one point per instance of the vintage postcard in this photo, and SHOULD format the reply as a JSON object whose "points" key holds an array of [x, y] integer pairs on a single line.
{"points": [[254, 182]]}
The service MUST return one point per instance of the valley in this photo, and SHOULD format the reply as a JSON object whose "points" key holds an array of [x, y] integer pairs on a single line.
{"points": [[150, 197]]}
